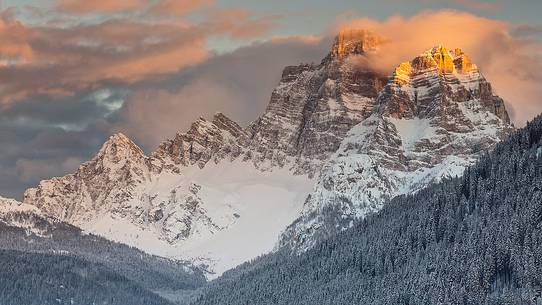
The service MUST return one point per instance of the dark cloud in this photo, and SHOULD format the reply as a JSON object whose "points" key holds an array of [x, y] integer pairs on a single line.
{"points": [[238, 84], [73, 112], [29, 154]]}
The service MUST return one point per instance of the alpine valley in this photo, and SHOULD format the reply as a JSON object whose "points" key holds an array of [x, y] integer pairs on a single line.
{"points": [[337, 141]]}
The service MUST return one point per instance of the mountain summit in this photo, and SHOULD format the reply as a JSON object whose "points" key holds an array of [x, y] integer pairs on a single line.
{"points": [[314, 106], [351, 41]]}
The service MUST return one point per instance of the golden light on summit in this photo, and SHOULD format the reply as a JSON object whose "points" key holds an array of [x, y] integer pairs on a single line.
{"points": [[443, 59], [355, 41]]}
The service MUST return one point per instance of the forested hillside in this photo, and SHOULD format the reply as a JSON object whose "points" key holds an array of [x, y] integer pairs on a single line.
{"points": [[41, 279], [148, 271], [470, 240]]}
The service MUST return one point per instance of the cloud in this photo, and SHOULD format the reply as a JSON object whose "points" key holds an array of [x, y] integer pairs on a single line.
{"points": [[479, 5], [179, 7], [31, 170], [511, 63], [238, 84], [250, 26], [31, 153], [114, 51], [97, 6], [15, 46], [80, 57], [527, 30], [65, 87]]}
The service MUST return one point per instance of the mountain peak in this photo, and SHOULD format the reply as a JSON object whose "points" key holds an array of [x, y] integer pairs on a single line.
{"points": [[425, 87], [203, 141], [223, 122], [119, 144], [441, 58], [118, 137], [351, 41]]}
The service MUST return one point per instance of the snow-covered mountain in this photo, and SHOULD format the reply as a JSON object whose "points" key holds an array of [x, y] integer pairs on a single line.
{"points": [[333, 144], [195, 198], [25, 216], [220, 194], [435, 116]]}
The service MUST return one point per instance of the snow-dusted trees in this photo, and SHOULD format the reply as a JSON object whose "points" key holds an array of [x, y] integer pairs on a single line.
{"points": [[69, 264], [40, 279]]}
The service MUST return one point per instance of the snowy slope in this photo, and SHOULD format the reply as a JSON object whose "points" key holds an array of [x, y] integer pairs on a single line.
{"points": [[249, 208], [220, 194], [16, 214], [194, 199]]}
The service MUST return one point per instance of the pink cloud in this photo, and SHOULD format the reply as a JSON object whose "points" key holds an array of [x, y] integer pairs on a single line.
{"points": [[62, 60], [240, 23], [80, 57], [99, 6], [179, 7]]}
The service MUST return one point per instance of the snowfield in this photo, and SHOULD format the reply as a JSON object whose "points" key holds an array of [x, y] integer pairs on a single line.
{"points": [[252, 207]]}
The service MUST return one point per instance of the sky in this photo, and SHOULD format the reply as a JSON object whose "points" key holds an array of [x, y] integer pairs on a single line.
{"points": [[73, 72]]}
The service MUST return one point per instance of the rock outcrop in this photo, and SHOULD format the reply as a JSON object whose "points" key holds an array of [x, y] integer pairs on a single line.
{"points": [[123, 183], [205, 141], [314, 106]]}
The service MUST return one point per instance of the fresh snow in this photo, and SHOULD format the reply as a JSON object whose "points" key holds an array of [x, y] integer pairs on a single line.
{"points": [[413, 130], [9, 207], [253, 207], [232, 211]]}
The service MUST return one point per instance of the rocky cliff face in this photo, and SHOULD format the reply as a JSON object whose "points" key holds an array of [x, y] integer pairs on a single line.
{"points": [[205, 141], [435, 115], [314, 106], [193, 189]]}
